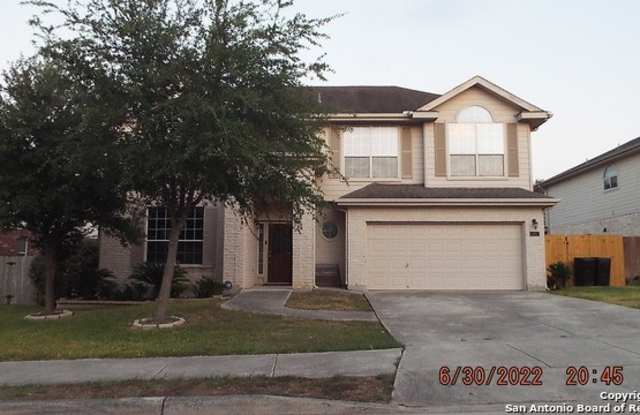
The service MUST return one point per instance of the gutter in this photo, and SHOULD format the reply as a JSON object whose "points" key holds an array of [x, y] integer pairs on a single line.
{"points": [[406, 115], [546, 202]]}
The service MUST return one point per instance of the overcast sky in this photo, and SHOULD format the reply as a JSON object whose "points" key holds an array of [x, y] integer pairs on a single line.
{"points": [[578, 59]]}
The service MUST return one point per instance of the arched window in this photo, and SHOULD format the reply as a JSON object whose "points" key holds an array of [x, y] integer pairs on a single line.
{"points": [[474, 114], [475, 144], [610, 178]]}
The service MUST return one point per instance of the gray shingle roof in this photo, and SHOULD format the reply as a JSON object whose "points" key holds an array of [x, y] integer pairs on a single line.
{"points": [[418, 191], [628, 148], [370, 99]]}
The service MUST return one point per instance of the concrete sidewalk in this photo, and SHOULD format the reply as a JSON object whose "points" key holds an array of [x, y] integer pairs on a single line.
{"points": [[308, 365], [224, 405], [273, 300]]}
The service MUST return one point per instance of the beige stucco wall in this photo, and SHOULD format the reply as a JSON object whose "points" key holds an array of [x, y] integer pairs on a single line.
{"points": [[533, 247], [114, 257], [332, 251], [502, 112], [585, 207], [423, 149], [333, 188]]}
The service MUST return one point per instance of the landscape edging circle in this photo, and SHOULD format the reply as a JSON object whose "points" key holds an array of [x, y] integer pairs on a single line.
{"points": [[140, 324], [44, 317]]}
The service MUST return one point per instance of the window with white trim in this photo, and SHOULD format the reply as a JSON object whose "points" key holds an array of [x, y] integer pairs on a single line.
{"points": [[371, 152], [261, 248], [610, 178], [476, 144], [189, 244]]}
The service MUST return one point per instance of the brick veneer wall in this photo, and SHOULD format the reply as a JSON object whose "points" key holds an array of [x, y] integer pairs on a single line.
{"points": [[304, 253]]}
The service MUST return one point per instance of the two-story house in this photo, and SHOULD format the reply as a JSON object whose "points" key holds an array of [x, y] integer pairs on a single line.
{"points": [[601, 195], [435, 192]]}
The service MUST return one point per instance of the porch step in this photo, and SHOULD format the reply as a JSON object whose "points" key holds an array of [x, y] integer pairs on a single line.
{"points": [[327, 275]]}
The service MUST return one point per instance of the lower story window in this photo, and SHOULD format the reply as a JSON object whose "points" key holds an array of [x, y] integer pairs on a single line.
{"points": [[189, 244]]}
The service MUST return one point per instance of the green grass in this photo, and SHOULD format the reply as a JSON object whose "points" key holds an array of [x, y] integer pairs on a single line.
{"points": [[210, 330], [625, 296], [365, 389], [328, 300]]}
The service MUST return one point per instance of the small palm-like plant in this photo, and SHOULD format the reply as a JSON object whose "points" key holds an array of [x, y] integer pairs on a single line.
{"points": [[150, 274], [207, 287]]}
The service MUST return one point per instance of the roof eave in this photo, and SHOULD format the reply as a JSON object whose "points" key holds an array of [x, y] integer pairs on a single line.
{"points": [[495, 202], [534, 118], [405, 115]]}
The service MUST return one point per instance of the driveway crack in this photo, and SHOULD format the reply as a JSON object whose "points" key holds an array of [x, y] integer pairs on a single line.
{"points": [[273, 368], [558, 328], [530, 355]]}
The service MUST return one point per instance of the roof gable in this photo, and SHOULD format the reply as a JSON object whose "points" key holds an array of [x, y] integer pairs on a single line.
{"points": [[489, 86]]}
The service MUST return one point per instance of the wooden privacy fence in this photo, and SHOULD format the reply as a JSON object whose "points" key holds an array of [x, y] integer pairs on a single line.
{"points": [[15, 281], [567, 247]]}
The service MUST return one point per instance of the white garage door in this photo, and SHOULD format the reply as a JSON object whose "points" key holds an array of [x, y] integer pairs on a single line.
{"points": [[444, 256]]}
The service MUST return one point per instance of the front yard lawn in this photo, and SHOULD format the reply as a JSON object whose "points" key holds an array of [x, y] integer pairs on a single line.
{"points": [[102, 332], [319, 299], [364, 389], [626, 296]]}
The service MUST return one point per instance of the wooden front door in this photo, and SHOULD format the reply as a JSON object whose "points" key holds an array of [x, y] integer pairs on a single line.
{"points": [[280, 254]]}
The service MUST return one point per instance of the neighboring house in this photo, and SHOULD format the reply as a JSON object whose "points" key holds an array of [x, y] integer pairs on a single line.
{"points": [[16, 243], [601, 195], [438, 195]]}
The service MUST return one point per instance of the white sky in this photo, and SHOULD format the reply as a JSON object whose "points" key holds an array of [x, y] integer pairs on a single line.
{"points": [[579, 59]]}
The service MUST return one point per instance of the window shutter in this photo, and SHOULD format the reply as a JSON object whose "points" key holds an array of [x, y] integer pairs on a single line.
{"points": [[406, 153], [440, 155], [334, 149], [512, 150]]}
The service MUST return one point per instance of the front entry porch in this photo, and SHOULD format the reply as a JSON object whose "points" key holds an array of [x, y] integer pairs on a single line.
{"points": [[269, 250]]}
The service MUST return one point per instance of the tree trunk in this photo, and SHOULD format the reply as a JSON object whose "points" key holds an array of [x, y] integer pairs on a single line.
{"points": [[50, 281], [162, 302]]}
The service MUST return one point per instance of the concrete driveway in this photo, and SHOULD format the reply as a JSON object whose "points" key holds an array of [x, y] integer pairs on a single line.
{"points": [[506, 329]]}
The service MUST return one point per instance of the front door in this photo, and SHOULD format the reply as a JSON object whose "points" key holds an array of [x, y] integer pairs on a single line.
{"points": [[280, 254]]}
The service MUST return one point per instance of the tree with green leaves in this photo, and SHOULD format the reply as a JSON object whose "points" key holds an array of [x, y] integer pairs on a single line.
{"points": [[213, 93], [59, 171]]}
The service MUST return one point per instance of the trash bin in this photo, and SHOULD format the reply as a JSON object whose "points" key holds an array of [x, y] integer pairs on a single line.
{"points": [[604, 271], [585, 271]]}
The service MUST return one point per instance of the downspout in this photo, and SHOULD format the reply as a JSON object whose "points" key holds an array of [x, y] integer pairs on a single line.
{"points": [[346, 246]]}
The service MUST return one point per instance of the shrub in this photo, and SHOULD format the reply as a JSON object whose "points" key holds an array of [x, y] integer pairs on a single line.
{"points": [[77, 274], [125, 290], [207, 287], [150, 274], [558, 274]]}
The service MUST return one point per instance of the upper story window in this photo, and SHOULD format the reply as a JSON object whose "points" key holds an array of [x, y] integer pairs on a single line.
{"points": [[610, 178], [476, 144], [371, 152], [189, 244], [473, 115]]}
